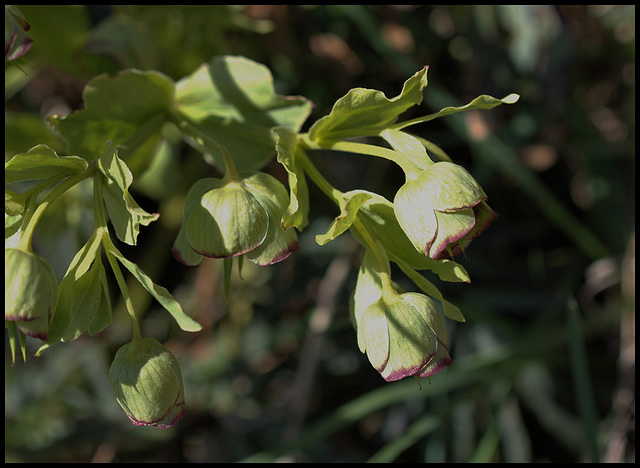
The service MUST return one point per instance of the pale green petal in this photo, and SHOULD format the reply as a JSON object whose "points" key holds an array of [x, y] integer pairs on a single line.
{"points": [[368, 290], [373, 335], [416, 217], [450, 187], [412, 342], [279, 243]]}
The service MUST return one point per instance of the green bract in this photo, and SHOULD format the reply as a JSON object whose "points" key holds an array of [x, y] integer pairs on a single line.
{"points": [[442, 210], [29, 291], [235, 216], [147, 382]]}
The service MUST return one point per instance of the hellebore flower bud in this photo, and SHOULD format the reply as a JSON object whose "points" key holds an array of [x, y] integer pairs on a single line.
{"points": [[147, 382], [235, 216], [404, 335], [442, 210], [30, 290]]}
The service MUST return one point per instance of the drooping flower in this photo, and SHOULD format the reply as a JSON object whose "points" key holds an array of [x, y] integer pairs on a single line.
{"points": [[147, 382], [30, 290], [442, 209], [404, 335], [236, 216]]}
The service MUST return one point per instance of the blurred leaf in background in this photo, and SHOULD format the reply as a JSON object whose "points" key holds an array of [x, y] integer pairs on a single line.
{"points": [[544, 366]]}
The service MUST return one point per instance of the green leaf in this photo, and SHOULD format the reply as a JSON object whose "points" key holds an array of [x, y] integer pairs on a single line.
{"points": [[349, 207], [378, 216], [102, 316], [42, 162], [366, 112], [128, 109], [125, 214], [481, 102], [297, 214], [232, 100], [160, 294], [86, 297], [63, 320]]}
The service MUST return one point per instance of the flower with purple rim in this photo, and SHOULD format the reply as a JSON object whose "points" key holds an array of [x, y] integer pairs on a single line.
{"points": [[30, 292], [235, 216], [147, 382], [442, 209], [403, 335]]}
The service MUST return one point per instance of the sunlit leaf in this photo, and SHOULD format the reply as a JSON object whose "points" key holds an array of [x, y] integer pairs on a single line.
{"points": [[348, 212], [364, 112], [233, 102], [128, 109]]}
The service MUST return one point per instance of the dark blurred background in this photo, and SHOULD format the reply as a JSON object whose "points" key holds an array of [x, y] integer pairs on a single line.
{"points": [[544, 366]]}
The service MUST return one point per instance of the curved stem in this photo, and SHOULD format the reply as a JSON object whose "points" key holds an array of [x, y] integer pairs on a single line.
{"points": [[417, 120], [361, 148], [336, 196], [329, 190], [380, 255], [109, 247]]}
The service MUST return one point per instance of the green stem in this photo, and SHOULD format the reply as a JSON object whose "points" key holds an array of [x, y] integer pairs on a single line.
{"points": [[360, 148], [417, 120], [337, 196], [109, 247], [314, 174], [380, 255], [27, 235]]}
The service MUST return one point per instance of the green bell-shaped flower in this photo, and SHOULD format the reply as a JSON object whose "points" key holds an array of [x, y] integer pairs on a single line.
{"points": [[30, 289], [403, 335], [442, 209], [147, 382], [235, 216]]}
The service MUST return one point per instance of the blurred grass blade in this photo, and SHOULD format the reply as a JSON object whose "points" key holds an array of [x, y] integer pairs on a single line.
{"points": [[413, 434], [582, 380], [488, 445]]}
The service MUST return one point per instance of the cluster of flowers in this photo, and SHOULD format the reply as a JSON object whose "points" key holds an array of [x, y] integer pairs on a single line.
{"points": [[403, 334], [440, 212]]}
